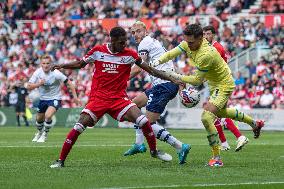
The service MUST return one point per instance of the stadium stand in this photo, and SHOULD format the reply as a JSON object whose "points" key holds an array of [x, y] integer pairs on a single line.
{"points": [[21, 47]]}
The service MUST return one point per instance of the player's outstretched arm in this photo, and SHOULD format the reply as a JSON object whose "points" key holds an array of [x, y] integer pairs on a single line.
{"points": [[135, 70], [73, 65], [156, 73], [167, 56], [32, 86], [195, 79], [74, 94]]}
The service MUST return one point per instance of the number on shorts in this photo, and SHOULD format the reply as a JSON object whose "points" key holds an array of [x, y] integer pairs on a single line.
{"points": [[150, 99], [55, 103]]}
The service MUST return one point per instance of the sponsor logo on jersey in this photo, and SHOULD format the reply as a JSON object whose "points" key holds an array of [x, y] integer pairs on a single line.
{"points": [[110, 68]]}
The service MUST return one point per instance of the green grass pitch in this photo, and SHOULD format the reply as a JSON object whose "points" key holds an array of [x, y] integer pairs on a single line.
{"points": [[96, 161]]}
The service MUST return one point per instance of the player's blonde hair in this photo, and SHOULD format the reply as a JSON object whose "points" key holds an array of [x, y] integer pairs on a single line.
{"points": [[45, 56], [139, 23]]}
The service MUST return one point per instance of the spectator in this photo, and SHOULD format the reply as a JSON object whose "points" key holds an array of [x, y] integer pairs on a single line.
{"points": [[251, 69], [266, 99], [240, 80]]}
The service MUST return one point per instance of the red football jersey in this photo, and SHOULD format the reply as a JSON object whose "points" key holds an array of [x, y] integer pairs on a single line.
{"points": [[221, 50], [111, 71]]}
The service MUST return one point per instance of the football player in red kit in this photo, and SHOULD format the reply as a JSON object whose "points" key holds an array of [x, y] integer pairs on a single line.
{"points": [[113, 63], [209, 33]]}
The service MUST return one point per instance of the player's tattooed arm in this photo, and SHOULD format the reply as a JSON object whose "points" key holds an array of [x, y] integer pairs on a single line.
{"points": [[157, 73], [135, 70], [73, 65]]}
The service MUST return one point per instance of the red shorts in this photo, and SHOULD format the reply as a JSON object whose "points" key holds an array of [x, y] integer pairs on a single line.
{"points": [[116, 108]]}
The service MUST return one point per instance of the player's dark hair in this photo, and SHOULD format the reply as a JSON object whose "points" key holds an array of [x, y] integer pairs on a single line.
{"points": [[117, 32], [193, 29], [209, 28]]}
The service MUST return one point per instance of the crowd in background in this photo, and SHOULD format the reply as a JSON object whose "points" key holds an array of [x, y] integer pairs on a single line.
{"points": [[264, 85], [20, 49], [84, 9]]}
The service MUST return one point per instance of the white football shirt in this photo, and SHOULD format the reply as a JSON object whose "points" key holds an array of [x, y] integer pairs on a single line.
{"points": [[154, 49], [51, 89]]}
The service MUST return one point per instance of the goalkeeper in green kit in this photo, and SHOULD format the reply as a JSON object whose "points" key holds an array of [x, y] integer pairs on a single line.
{"points": [[210, 67]]}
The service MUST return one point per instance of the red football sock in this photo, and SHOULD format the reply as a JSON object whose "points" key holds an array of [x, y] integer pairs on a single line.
{"points": [[220, 130], [70, 140], [149, 135], [232, 127]]}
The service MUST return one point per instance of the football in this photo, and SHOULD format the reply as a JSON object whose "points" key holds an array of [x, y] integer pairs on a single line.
{"points": [[189, 97]]}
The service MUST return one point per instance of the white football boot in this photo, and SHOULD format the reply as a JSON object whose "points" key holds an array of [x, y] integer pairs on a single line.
{"points": [[43, 137], [225, 146], [161, 155], [37, 136], [241, 142]]}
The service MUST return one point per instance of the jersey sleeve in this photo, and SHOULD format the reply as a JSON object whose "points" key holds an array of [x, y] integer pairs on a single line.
{"points": [[181, 48], [34, 77], [195, 79], [60, 76], [91, 56]]}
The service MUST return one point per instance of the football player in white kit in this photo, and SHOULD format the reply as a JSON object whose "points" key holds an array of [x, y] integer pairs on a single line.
{"points": [[156, 98], [48, 83]]}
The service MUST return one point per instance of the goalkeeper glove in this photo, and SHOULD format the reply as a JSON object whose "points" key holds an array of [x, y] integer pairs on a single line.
{"points": [[154, 63]]}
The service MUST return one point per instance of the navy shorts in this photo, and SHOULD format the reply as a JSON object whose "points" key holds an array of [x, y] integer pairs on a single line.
{"points": [[44, 104], [160, 95]]}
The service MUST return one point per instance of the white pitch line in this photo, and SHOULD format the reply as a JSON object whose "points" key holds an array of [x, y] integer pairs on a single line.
{"points": [[36, 145], [197, 185], [55, 146]]}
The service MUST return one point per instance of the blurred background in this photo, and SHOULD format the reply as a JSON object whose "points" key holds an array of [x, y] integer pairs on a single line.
{"points": [[250, 30]]}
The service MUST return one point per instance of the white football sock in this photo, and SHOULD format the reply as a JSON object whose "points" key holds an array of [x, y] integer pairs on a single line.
{"points": [[139, 136], [164, 135]]}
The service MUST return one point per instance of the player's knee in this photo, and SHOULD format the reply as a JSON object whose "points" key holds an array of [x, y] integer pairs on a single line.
{"points": [[79, 127], [48, 118], [141, 120], [208, 119], [87, 120], [209, 106]]}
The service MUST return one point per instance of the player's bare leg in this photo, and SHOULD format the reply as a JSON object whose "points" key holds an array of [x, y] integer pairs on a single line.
{"points": [[84, 121], [134, 115], [47, 123], [39, 125]]}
